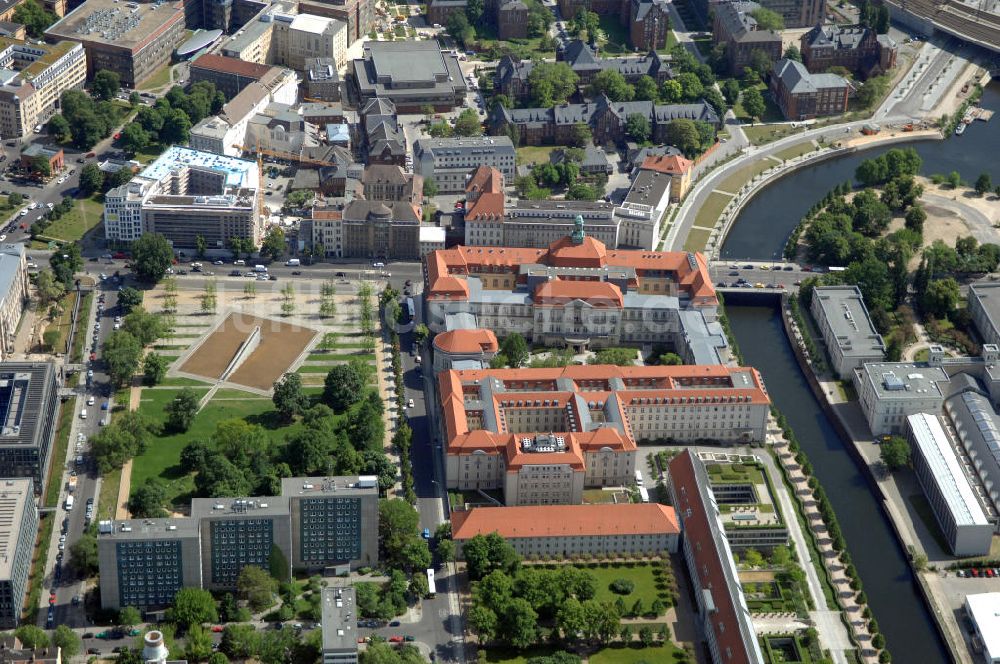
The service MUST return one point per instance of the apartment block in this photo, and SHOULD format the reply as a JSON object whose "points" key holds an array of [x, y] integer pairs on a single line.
{"points": [[28, 406], [559, 532], [723, 616], [543, 435], [847, 329], [579, 294], [316, 523], [451, 161], [19, 514], [185, 194], [13, 294], [132, 41], [32, 77]]}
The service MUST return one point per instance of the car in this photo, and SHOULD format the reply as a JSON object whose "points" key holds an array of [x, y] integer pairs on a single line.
{"points": [[52, 598], [721, 284], [408, 638], [235, 273], [427, 533], [118, 649], [218, 263], [748, 267], [362, 639], [340, 274], [217, 628], [974, 572], [734, 273], [409, 403], [297, 625], [93, 651], [62, 546], [49, 205], [273, 278], [117, 135], [788, 268], [90, 373], [758, 285], [798, 282], [395, 639]]}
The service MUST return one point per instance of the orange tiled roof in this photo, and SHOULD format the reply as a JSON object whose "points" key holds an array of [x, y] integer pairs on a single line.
{"points": [[562, 291], [589, 253], [669, 164], [488, 207], [467, 341], [565, 521], [486, 179]]}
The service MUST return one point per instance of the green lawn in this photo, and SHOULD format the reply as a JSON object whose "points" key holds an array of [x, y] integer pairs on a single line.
{"points": [[81, 335], [160, 78], [704, 46], [107, 502], [58, 463], [711, 210], [640, 575], [162, 457], [333, 357], [795, 150], [65, 322], [671, 42], [615, 34], [180, 381], [742, 176], [766, 133], [535, 154], [635, 654], [237, 394], [86, 214], [696, 239], [511, 656]]}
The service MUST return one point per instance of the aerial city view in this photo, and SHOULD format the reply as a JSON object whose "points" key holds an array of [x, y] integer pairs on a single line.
{"points": [[499, 331]]}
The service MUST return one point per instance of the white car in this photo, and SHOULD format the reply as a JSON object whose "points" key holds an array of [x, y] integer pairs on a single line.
{"points": [[49, 205], [118, 326], [90, 400], [32, 205], [409, 404]]}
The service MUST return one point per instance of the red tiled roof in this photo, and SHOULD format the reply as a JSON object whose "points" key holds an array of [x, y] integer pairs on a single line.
{"points": [[488, 207], [589, 253], [226, 65], [486, 179], [565, 521], [596, 293], [669, 164], [467, 341]]}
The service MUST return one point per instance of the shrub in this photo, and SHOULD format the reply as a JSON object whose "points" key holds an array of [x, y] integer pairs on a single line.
{"points": [[621, 587]]}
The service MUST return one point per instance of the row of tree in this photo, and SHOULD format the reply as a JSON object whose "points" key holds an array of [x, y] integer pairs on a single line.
{"points": [[83, 119]]}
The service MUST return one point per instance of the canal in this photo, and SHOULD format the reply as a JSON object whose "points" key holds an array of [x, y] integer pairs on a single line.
{"points": [[760, 233]]}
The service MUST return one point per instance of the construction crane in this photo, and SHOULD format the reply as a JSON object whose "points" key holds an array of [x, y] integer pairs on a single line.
{"points": [[300, 159]]}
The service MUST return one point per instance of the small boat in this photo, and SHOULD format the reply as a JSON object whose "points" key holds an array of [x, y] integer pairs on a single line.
{"points": [[960, 129]]}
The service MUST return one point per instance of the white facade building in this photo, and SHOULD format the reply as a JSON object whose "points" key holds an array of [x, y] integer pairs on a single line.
{"points": [[847, 328], [983, 610]]}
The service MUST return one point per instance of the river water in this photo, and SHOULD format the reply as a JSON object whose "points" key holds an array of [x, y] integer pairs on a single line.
{"points": [[760, 233]]}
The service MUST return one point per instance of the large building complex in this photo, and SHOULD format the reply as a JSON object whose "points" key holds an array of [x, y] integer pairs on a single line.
{"points": [[32, 77], [579, 293], [339, 621], [451, 161], [736, 29], [568, 531], [795, 13], [847, 329], [28, 405], [802, 95], [855, 48], [752, 517], [889, 392], [724, 617], [315, 524], [983, 611], [647, 22], [410, 74], [230, 75], [359, 15], [13, 294], [966, 527], [132, 39], [185, 194], [542, 435], [984, 306], [19, 516]]}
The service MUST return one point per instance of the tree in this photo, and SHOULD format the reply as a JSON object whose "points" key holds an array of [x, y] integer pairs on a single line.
{"points": [[134, 138], [198, 644], [895, 453], [519, 623], [793, 53], [122, 353], [940, 297], [984, 184], [400, 541], [105, 85], [468, 124], [682, 133], [91, 178], [731, 90], [151, 256], [489, 553], [49, 289], [129, 617], [181, 411], [83, 555], [670, 359], [581, 135], [637, 127], [671, 92], [257, 587], [240, 641], [344, 385], [446, 550], [954, 179], [192, 606], [65, 638], [551, 83], [34, 18], [430, 188], [646, 90], [176, 128], [768, 19], [147, 500], [459, 28], [58, 127], [288, 397], [32, 637], [40, 165], [753, 104], [474, 11], [144, 326], [515, 349], [129, 298], [421, 333], [610, 82]]}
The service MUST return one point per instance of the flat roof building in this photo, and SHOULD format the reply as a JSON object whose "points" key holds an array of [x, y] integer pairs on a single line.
{"points": [[566, 531], [339, 619], [13, 294], [753, 517], [411, 74], [132, 41], [984, 306], [452, 161], [28, 405], [230, 75], [316, 523], [983, 610], [889, 392], [959, 513], [18, 529], [542, 435], [850, 336], [32, 78], [724, 618], [977, 426]]}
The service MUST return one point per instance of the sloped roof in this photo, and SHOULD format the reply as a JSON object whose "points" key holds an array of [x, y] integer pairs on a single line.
{"points": [[466, 342], [671, 164], [566, 521]]}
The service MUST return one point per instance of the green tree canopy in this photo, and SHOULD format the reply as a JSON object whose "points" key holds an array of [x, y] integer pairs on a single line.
{"points": [[768, 19], [551, 83], [895, 453], [152, 255], [193, 606], [181, 410]]}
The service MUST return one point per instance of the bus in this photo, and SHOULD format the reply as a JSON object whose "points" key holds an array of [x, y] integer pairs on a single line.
{"points": [[431, 586], [644, 494]]}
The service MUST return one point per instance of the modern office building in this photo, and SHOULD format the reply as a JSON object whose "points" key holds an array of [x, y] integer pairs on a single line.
{"points": [[185, 194], [283, 34], [983, 611], [29, 402], [32, 77], [566, 531], [984, 306], [847, 329], [452, 161], [230, 75], [724, 618], [889, 392], [803, 96], [578, 293], [977, 426], [19, 515], [13, 294], [752, 517], [317, 523], [132, 41], [359, 15], [737, 29], [339, 622], [411, 74], [543, 435], [964, 523]]}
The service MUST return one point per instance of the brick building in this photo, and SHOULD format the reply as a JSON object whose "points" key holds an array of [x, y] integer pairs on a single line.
{"points": [[803, 96], [855, 48], [737, 29], [512, 20]]}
